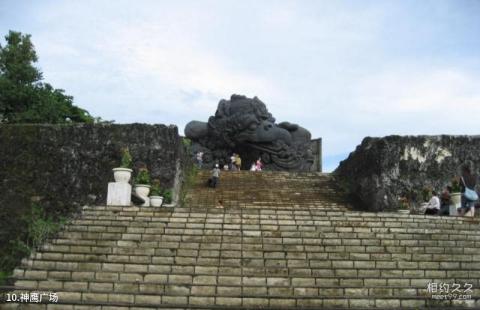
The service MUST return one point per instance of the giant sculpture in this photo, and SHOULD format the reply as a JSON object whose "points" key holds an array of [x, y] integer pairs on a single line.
{"points": [[244, 126]]}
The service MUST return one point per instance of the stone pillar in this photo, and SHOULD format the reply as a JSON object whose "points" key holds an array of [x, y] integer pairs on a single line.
{"points": [[317, 154], [119, 194]]}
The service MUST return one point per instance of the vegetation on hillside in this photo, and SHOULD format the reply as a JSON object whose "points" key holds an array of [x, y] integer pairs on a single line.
{"points": [[24, 97], [38, 228]]}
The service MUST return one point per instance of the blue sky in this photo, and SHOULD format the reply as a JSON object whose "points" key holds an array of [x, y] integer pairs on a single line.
{"points": [[342, 69]]}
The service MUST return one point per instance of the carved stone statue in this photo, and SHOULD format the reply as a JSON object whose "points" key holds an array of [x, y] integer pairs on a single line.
{"points": [[244, 126]]}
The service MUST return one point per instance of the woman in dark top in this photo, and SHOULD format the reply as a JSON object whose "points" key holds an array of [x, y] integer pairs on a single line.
{"points": [[468, 180]]}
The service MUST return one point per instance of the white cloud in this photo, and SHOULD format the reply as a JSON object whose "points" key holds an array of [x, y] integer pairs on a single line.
{"points": [[437, 101], [428, 92], [174, 61]]}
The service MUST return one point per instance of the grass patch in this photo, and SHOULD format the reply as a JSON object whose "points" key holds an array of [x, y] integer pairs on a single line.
{"points": [[41, 227], [188, 182], [187, 143], [38, 228], [3, 277]]}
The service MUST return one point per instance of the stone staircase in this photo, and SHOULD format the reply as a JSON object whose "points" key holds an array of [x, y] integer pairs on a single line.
{"points": [[310, 253], [266, 189]]}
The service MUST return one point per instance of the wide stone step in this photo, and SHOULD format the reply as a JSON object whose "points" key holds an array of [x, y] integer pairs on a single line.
{"points": [[352, 241], [306, 254], [244, 302], [312, 260], [397, 242], [196, 212], [274, 226], [226, 287], [436, 231], [336, 278], [259, 204], [272, 223], [336, 266]]}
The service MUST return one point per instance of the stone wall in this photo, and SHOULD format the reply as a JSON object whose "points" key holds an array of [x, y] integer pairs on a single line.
{"points": [[316, 146], [381, 170], [66, 166]]}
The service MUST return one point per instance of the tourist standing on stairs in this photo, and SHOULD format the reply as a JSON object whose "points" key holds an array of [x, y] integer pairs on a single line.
{"points": [[259, 164], [215, 176], [232, 161], [238, 162], [199, 160], [468, 181]]}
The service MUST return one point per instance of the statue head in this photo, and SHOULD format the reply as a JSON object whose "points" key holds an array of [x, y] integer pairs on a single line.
{"points": [[244, 125], [243, 120]]}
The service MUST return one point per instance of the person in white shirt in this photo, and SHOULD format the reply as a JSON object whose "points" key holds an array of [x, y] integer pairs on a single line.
{"points": [[213, 181], [199, 160], [232, 162], [433, 206]]}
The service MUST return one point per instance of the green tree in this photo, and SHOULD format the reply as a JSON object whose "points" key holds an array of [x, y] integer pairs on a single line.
{"points": [[23, 96]]}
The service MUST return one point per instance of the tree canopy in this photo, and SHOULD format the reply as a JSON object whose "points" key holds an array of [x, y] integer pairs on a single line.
{"points": [[24, 98]]}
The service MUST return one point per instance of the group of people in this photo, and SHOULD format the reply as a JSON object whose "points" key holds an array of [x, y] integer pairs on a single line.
{"points": [[257, 166], [469, 197], [235, 164]]}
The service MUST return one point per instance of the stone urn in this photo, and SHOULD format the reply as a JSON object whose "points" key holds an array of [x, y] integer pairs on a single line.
{"points": [[122, 175], [156, 201], [456, 199], [143, 190]]}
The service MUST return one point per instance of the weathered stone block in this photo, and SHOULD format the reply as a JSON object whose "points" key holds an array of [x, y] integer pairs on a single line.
{"points": [[201, 301], [36, 274], [228, 301], [151, 288], [119, 194], [229, 291], [69, 296], [176, 290], [101, 287], [208, 280], [282, 303], [131, 288], [387, 303], [202, 290], [335, 303], [149, 299], [121, 298], [176, 279], [133, 277], [136, 268], [256, 281], [226, 280], [255, 302]]}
